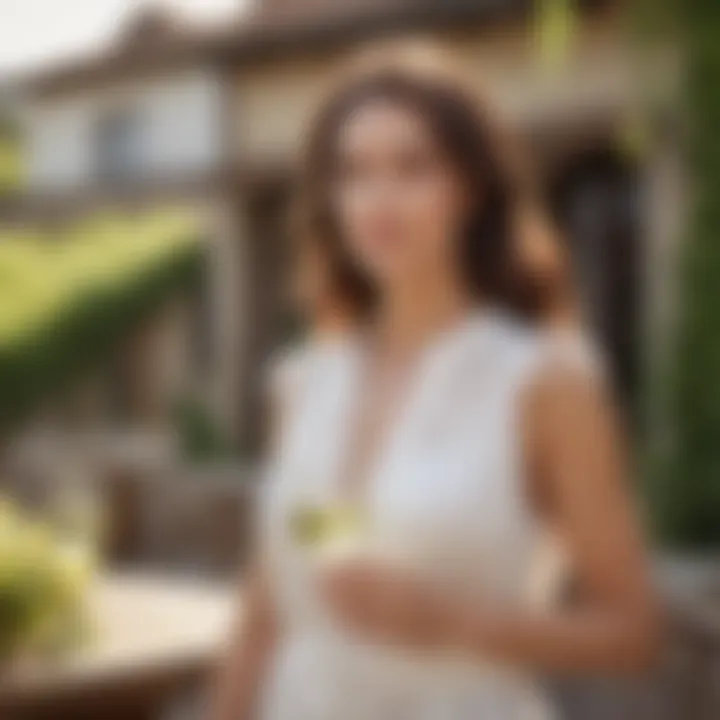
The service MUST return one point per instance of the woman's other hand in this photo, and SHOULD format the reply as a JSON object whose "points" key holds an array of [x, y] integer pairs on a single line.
{"points": [[384, 603]]}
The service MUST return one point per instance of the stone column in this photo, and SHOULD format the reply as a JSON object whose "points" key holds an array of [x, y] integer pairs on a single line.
{"points": [[227, 271]]}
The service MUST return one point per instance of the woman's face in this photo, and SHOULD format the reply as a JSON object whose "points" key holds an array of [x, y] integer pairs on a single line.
{"points": [[400, 202]]}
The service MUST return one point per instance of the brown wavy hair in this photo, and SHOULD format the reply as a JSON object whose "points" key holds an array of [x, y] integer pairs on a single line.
{"points": [[488, 161]]}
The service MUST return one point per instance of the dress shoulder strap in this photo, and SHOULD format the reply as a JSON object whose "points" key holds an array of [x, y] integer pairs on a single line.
{"points": [[525, 352], [570, 349]]}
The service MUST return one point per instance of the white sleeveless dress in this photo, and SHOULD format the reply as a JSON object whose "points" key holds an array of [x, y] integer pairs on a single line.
{"points": [[447, 495]]}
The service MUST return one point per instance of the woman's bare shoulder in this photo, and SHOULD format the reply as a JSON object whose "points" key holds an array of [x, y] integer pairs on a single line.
{"points": [[565, 377], [558, 355], [568, 388]]}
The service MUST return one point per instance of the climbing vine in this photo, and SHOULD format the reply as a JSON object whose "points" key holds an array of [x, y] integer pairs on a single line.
{"points": [[685, 478]]}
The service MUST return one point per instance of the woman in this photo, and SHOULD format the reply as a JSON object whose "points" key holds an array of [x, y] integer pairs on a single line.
{"points": [[463, 439]]}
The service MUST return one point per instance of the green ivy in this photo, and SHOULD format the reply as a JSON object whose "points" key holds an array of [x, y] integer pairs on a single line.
{"points": [[66, 301], [685, 487], [11, 173], [201, 439], [11, 159]]}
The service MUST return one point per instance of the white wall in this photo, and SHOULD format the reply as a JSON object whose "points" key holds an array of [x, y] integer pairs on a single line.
{"points": [[180, 121]]}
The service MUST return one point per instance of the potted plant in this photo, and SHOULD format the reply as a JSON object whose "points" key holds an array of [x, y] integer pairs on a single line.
{"points": [[42, 588]]}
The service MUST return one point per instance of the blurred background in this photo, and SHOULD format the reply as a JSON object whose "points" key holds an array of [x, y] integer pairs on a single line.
{"points": [[147, 154]]}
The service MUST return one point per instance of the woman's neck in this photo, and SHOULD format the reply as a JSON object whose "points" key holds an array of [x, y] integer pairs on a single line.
{"points": [[412, 315], [331, 323]]}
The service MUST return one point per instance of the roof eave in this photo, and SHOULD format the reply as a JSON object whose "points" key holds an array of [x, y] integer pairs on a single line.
{"points": [[256, 41]]}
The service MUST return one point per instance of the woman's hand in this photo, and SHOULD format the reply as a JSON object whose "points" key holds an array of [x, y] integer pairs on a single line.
{"points": [[384, 603]]}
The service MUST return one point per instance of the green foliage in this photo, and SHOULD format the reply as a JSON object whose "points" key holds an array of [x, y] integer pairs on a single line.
{"points": [[42, 586], [11, 172], [66, 300], [686, 486], [554, 25], [200, 438], [11, 155]]}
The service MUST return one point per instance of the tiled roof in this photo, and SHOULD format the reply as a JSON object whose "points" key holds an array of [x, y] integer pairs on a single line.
{"points": [[267, 32]]}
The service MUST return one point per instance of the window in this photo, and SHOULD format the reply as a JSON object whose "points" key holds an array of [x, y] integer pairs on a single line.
{"points": [[117, 146]]}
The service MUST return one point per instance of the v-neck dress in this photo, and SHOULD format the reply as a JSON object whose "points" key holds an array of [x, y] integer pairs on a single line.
{"points": [[447, 495]]}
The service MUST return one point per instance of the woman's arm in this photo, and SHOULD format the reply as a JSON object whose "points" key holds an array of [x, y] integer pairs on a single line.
{"points": [[251, 644], [575, 450], [574, 447]]}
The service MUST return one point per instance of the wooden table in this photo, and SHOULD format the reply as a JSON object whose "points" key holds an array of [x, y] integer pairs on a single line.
{"points": [[153, 637]]}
